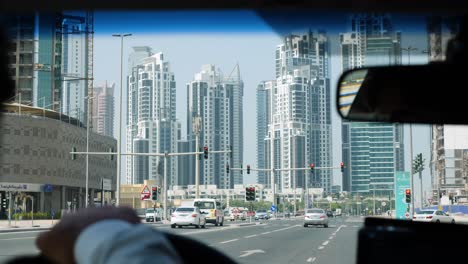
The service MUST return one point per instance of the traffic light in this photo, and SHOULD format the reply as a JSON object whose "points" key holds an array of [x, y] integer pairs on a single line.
{"points": [[205, 152], [312, 166], [248, 169], [250, 194], [342, 167], [227, 168], [5, 203], [154, 193], [242, 170], [111, 156], [408, 195]]}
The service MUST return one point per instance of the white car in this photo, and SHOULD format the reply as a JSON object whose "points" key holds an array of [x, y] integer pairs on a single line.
{"points": [[315, 216], [188, 216], [431, 215]]}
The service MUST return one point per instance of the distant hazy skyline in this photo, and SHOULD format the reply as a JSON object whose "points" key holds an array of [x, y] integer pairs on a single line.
{"points": [[252, 45]]}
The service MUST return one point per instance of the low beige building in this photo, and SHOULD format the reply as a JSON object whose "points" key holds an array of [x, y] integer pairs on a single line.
{"points": [[130, 195]]}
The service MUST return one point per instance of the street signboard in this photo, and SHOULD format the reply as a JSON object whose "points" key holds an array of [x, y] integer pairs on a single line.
{"points": [[145, 194], [384, 203], [407, 215], [106, 184], [429, 200], [273, 208], [402, 182]]}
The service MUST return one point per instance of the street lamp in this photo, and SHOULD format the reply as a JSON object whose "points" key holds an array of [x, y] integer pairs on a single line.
{"points": [[119, 139], [409, 49]]}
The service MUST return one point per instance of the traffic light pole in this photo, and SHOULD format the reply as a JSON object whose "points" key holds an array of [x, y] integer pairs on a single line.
{"points": [[164, 155]]}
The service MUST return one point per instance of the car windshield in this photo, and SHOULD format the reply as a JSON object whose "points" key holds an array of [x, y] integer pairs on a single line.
{"points": [[314, 211], [426, 212], [185, 209], [148, 109], [205, 205]]}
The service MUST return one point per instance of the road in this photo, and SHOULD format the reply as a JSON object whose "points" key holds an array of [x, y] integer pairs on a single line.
{"points": [[273, 241]]}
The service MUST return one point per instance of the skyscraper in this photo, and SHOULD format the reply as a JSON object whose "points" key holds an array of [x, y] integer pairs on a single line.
{"points": [[74, 93], [217, 99], [297, 109], [263, 117], [152, 88], [372, 152], [134, 59], [103, 109]]}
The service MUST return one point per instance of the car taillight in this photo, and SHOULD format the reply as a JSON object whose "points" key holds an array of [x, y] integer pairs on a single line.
{"points": [[322, 216], [429, 217], [194, 215], [414, 217]]}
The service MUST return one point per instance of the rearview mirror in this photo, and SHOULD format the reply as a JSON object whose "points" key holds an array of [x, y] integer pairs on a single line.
{"points": [[433, 93]]}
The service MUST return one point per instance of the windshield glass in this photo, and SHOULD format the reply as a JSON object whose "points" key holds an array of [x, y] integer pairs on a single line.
{"points": [[426, 212], [236, 107], [315, 211], [205, 205], [185, 209]]}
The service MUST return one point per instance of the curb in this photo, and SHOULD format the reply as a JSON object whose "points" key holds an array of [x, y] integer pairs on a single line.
{"points": [[14, 230], [246, 224]]}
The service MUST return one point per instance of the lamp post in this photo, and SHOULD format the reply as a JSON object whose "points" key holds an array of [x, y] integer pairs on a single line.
{"points": [[119, 139], [197, 126], [87, 150]]}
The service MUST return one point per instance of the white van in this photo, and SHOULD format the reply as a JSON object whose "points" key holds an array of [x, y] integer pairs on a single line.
{"points": [[211, 209]]}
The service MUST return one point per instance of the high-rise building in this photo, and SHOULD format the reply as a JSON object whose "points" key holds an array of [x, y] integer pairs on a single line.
{"points": [[152, 87], [103, 109], [217, 100], [372, 152], [263, 117], [74, 101], [35, 58], [297, 110], [134, 59]]}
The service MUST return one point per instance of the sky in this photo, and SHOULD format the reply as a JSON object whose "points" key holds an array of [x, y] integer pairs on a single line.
{"points": [[190, 40]]}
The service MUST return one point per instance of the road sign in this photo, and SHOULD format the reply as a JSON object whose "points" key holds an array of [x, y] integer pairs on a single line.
{"points": [[145, 194], [384, 203], [273, 208], [402, 182], [429, 200], [407, 215]]}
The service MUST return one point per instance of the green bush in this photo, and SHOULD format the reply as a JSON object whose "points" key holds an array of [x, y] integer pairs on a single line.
{"points": [[37, 216]]}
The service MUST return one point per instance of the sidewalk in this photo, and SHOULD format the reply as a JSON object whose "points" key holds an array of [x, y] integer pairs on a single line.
{"points": [[25, 225]]}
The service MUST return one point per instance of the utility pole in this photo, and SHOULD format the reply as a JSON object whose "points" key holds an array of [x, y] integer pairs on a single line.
{"points": [[196, 126], [119, 139], [165, 186]]}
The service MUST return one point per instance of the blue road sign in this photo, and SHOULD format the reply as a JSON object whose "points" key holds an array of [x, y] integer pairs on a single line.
{"points": [[402, 182], [273, 208]]}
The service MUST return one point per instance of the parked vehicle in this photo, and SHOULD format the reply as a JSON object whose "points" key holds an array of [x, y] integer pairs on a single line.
{"points": [[188, 216]]}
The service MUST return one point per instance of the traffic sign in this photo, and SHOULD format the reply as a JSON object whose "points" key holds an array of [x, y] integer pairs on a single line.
{"points": [[145, 194], [407, 215], [429, 200], [384, 203], [273, 208]]}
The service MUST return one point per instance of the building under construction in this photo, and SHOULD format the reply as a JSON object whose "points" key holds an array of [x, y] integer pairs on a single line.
{"points": [[50, 60]]}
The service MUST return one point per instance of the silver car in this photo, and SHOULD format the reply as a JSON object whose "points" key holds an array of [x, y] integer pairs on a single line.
{"points": [[315, 217]]}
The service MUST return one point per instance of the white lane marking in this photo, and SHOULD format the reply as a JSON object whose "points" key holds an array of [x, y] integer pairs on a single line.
{"points": [[321, 247], [330, 238], [250, 236], [281, 229], [208, 230], [228, 241], [325, 243], [264, 233], [311, 259], [250, 252], [16, 238]]}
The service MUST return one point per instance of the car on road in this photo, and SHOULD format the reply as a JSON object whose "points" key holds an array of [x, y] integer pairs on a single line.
{"points": [[152, 215], [315, 216], [211, 208], [262, 214], [435, 216], [329, 213], [188, 216]]}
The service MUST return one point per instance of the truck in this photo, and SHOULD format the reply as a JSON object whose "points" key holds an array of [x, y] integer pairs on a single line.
{"points": [[338, 212]]}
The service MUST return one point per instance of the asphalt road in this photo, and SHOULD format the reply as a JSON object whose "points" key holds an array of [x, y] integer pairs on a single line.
{"points": [[272, 241]]}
